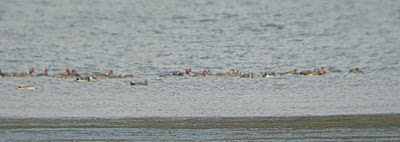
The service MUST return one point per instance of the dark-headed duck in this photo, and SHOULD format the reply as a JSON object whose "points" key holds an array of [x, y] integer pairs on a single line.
{"points": [[145, 83], [355, 71], [205, 73], [46, 73]]}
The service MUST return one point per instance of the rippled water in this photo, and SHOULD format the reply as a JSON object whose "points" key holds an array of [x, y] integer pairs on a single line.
{"points": [[147, 38]]}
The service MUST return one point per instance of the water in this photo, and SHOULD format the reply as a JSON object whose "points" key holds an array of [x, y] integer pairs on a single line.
{"points": [[148, 38], [139, 134]]}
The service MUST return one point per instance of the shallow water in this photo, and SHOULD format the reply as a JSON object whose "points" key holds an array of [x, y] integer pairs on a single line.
{"points": [[148, 38], [337, 134]]}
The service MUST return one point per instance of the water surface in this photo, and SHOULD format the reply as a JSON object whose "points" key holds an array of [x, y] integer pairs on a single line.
{"points": [[147, 38]]}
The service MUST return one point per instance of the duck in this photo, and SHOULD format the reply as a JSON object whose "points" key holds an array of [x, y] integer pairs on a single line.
{"points": [[293, 72], [27, 87], [46, 73], [74, 73], [322, 71], [243, 75], [333, 70], [235, 72], [231, 71], [67, 73], [268, 74], [187, 72], [83, 79], [314, 72], [205, 73], [110, 75], [98, 75], [167, 75], [25, 74], [2, 74], [355, 71], [115, 77], [145, 83]]}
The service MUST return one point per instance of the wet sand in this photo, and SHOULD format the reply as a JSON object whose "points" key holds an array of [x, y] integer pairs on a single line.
{"points": [[308, 128]]}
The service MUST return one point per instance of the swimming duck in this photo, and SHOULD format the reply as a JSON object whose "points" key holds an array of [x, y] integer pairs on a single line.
{"points": [[2, 74], [294, 72], [110, 75], [28, 87], [46, 73], [205, 73], [235, 72], [74, 73], [98, 75], [322, 71], [231, 72], [67, 73], [243, 75], [84, 79], [187, 72], [145, 83], [267, 74], [314, 72], [115, 77], [355, 71], [167, 75], [331, 69], [25, 74]]}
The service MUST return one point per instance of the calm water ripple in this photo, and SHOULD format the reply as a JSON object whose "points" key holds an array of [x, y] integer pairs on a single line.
{"points": [[148, 38]]}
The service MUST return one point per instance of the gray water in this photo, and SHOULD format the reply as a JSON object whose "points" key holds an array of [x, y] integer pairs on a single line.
{"points": [[118, 134], [148, 38]]}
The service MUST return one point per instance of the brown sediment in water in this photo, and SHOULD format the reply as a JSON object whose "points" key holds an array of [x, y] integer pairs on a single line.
{"points": [[306, 122]]}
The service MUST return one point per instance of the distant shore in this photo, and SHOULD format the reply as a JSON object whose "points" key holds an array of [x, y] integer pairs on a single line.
{"points": [[301, 122], [379, 127]]}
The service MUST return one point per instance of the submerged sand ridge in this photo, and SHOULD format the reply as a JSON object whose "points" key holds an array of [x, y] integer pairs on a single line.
{"points": [[351, 128]]}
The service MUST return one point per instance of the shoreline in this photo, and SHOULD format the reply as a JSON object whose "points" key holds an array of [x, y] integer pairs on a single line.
{"points": [[298, 122]]}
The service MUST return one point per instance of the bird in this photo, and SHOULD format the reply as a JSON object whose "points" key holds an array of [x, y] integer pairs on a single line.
{"points": [[187, 72], [145, 83], [243, 75], [294, 72], [27, 87], [332, 69], [46, 73], [205, 73], [25, 74], [231, 72], [267, 74], [355, 71], [83, 79]]}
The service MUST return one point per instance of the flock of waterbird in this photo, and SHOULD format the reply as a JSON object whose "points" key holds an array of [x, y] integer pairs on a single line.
{"points": [[188, 72]]}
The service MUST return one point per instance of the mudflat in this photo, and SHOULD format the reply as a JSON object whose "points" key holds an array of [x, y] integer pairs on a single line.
{"points": [[346, 127]]}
